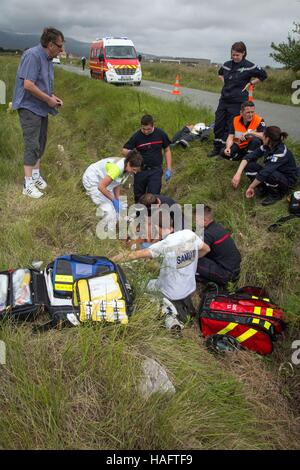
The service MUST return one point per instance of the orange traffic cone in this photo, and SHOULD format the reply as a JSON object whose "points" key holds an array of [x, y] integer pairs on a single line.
{"points": [[176, 85], [250, 92]]}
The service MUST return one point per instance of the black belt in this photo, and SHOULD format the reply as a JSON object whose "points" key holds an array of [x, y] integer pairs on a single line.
{"points": [[145, 167]]}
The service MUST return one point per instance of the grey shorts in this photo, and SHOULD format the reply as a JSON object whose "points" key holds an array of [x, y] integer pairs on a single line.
{"points": [[34, 129]]}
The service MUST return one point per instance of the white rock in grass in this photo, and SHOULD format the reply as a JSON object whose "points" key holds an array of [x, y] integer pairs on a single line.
{"points": [[37, 264], [155, 379]]}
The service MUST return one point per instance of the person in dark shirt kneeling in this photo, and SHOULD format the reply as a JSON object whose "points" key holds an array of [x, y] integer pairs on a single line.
{"points": [[222, 264]]}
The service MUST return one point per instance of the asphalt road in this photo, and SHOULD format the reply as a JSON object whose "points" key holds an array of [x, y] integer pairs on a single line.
{"points": [[286, 117]]}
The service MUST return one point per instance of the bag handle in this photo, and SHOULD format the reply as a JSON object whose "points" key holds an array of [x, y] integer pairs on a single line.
{"points": [[86, 259]]}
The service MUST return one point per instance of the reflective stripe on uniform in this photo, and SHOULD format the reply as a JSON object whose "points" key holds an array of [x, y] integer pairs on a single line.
{"points": [[281, 155], [222, 239], [242, 69]]}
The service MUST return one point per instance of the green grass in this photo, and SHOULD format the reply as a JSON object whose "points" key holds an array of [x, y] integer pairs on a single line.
{"points": [[276, 89], [78, 388]]}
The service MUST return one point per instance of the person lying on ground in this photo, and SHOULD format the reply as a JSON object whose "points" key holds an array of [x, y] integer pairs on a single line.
{"points": [[190, 133], [152, 203]]}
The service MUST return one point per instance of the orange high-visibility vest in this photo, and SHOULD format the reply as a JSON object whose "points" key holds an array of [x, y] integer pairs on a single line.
{"points": [[239, 127]]}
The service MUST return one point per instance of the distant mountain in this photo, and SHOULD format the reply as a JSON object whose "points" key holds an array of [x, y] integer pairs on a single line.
{"points": [[11, 40], [22, 41]]}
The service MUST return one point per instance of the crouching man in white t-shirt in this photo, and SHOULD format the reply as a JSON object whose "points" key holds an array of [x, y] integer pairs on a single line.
{"points": [[179, 252]]}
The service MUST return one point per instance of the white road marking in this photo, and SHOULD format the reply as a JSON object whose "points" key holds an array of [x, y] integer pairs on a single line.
{"points": [[161, 89]]}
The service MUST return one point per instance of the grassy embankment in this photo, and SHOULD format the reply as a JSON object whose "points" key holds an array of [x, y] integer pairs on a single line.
{"points": [[78, 388], [276, 89]]}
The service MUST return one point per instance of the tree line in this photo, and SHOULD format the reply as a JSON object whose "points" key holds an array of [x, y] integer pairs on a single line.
{"points": [[288, 53]]}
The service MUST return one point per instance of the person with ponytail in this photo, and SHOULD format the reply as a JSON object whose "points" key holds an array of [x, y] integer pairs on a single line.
{"points": [[279, 173]]}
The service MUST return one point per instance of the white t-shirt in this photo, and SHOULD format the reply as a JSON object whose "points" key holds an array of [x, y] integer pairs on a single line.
{"points": [[179, 251]]}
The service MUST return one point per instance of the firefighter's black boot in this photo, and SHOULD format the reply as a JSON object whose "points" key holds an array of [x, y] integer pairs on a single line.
{"points": [[214, 152], [273, 196], [261, 190]]}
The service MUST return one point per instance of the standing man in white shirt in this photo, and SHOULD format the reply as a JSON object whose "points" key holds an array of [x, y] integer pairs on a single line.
{"points": [[179, 252]]}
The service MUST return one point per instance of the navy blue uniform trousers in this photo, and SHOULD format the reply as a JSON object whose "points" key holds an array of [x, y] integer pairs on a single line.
{"points": [[147, 181], [226, 111]]}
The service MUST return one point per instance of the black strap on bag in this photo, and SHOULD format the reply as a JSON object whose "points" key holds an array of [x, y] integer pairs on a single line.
{"points": [[58, 321], [281, 221], [220, 344], [294, 211]]}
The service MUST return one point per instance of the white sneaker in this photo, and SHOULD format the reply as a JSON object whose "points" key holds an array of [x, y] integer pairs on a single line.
{"points": [[170, 313], [32, 191], [40, 183]]}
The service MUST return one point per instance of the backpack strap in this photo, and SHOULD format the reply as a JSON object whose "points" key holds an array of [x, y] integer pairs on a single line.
{"points": [[281, 221]]}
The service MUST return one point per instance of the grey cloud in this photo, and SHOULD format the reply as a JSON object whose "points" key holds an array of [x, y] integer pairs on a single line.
{"points": [[190, 28]]}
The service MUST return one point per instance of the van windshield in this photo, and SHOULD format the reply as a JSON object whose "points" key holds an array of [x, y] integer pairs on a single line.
{"points": [[120, 52]]}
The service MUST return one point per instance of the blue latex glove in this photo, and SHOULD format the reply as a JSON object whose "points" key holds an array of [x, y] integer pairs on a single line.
{"points": [[117, 205], [145, 245], [168, 175]]}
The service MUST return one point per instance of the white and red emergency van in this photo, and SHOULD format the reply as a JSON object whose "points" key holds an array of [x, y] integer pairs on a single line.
{"points": [[115, 60]]}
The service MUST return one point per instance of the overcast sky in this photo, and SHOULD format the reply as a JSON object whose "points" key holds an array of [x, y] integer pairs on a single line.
{"points": [[189, 28]]}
